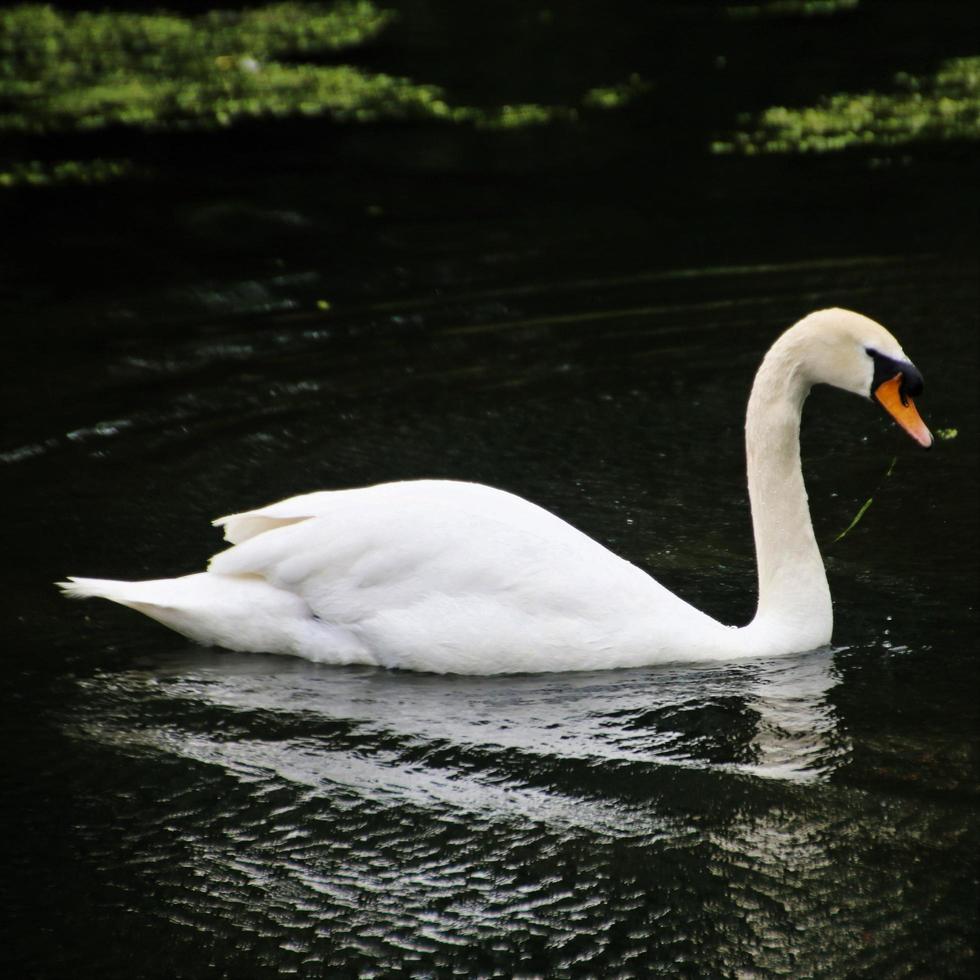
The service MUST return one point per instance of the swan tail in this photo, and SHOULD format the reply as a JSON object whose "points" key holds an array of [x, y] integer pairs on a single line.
{"points": [[240, 613], [168, 601], [156, 592]]}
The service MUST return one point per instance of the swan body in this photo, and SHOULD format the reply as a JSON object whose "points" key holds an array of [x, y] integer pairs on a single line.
{"points": [[453, 577]]}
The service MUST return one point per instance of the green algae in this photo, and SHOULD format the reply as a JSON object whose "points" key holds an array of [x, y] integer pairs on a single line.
{"points": [[790, 8], [63, 73], [616, 96], [40, 173], [87, 71], [944, 106]]}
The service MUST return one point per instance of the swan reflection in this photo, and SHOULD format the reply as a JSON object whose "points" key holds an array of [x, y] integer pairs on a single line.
{"points": [[542, 745], [404, 809], [796, 734]]}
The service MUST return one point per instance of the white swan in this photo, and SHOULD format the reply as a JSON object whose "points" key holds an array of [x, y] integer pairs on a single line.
{"points": [[442, 576]]}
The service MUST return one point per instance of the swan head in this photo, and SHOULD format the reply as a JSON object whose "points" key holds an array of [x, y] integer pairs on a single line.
{"points": [[853, 352]]}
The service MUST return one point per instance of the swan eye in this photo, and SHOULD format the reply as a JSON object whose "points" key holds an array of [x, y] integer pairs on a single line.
{"points": [[887, 367]]}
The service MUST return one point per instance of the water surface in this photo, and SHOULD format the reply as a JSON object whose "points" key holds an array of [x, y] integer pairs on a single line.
{"points": [[224, 815]]}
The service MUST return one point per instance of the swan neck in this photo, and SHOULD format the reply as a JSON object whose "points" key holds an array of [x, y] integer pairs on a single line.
{"points": [[794, 599]]}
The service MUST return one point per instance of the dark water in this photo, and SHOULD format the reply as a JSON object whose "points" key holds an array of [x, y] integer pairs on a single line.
{"points": [[580, 326], [187, 812]]}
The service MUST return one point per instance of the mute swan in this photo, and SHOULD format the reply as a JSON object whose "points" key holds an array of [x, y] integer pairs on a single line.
{"points": [[451, 577]]}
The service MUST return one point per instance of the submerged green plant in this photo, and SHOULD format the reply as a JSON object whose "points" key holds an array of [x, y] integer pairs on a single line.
{"points": [[944, 435], [944, 106], [862, 510]]}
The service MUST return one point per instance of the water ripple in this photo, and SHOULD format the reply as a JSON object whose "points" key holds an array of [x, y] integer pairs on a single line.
{"points": [[326, 818]]}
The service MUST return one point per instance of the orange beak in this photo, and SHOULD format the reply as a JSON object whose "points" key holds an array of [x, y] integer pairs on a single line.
{"points": [[902, 409]]}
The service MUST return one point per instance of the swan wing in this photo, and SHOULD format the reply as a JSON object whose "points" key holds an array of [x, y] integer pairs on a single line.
{"points": [[456, 577], [474, 498]]}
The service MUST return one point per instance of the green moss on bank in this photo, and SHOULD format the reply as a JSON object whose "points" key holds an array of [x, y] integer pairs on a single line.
{"points": [[85, 71], [38, 173], [944, 106], [63, 73]]}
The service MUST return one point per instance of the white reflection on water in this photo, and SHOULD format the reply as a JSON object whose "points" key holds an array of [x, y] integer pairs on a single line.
{"points": [[534, 746], [796, 736], [413, 813]]}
